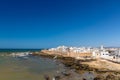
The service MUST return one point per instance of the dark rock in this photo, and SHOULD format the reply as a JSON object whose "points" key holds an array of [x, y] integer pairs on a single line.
{"points": [[84, 79], [66, 73], [110, 77], [97, 78], [57, 77], [46, 77]]}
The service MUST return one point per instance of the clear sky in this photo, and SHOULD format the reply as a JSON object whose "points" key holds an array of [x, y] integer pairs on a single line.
{"points": [[49, 23]]}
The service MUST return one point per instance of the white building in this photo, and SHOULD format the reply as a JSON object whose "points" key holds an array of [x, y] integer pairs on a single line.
{"points": [[104, 54], [96, 53]]}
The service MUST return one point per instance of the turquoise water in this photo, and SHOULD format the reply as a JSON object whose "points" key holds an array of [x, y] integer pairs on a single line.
{"points": [[25, 68]]}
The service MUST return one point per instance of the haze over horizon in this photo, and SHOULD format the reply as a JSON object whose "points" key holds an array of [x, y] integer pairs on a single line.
{"points": [[50, 23]]}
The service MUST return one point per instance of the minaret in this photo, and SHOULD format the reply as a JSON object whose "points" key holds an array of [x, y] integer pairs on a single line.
{"points": [[101, 47]]}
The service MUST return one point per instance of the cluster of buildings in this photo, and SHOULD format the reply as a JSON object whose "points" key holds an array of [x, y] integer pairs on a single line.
{"points": [[112, 54]]}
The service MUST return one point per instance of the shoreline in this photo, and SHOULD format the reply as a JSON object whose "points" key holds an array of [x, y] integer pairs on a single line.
{"points": [[81, 66]]}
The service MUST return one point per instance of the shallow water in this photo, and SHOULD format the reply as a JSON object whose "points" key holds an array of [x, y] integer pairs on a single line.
{"points": [[28, 68]]}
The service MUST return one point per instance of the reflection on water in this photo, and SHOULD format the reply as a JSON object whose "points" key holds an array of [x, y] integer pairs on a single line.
{"points": [[25, 68]]}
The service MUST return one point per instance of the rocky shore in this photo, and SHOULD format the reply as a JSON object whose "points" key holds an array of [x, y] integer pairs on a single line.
{"points": [[83, 69]]}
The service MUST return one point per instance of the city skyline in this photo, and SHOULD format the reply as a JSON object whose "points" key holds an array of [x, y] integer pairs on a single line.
{"points": [[50, 23]]}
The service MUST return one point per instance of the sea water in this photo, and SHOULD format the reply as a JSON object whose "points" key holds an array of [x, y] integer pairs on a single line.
{"points": [[25, 68]]}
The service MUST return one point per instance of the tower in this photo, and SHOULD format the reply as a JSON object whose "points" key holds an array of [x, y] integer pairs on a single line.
{"points": [[101, 47]]}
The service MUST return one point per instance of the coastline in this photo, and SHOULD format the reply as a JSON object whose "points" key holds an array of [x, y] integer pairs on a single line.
{"points": [[82, 66]]}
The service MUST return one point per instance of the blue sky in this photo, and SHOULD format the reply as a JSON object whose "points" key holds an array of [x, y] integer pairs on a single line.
{"points": [[49, 23]]}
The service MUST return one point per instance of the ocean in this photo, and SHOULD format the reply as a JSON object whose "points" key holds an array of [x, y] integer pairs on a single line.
{"points": [[25, 67]]}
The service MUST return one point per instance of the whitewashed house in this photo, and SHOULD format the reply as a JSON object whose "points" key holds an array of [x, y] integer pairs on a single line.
{"points": [[104, 54], [52, 49], [95, 53]]}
